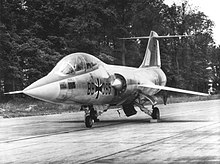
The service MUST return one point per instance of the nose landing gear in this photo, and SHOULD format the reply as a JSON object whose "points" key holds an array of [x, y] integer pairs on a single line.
{"points": [[91, 116], [89, 121]]}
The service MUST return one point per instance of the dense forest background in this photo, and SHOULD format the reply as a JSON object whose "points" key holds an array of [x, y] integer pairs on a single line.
{"points": [[36, 34]]}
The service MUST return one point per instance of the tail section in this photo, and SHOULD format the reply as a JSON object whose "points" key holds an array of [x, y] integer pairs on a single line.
{"points": [[152, 54]]}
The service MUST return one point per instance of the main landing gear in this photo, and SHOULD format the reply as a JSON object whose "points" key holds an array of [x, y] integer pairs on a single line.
{"points": [[154, 113], [91, 116]]}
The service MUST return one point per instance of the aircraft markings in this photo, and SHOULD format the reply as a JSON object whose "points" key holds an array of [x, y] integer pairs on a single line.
{"points": [[98, 87]]}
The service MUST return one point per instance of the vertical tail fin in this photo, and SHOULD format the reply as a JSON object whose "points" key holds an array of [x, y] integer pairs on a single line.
{"points": [[152, 54]]}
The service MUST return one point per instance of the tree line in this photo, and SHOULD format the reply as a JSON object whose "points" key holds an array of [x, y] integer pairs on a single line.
{"points": [[36, 34]]}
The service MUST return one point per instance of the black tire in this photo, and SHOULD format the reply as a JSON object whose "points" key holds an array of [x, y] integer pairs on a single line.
{"points": [[94, 115], [89, 121], [156, 113]]}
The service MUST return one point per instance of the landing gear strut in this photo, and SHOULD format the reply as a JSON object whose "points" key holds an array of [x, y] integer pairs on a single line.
{"points": [[154, 113], [91, 116]]}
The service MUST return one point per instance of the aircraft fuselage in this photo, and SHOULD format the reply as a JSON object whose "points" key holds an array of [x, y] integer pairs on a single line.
{"points": [[95, 87]]}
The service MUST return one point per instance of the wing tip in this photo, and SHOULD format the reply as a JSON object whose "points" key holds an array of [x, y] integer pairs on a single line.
{"points": [[14, 92]]}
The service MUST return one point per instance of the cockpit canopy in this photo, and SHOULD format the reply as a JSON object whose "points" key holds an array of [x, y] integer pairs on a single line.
{"points": [[76, 63]]}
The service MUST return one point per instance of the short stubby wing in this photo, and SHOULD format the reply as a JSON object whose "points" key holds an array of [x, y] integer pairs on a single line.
{"points": [[171, 89]]}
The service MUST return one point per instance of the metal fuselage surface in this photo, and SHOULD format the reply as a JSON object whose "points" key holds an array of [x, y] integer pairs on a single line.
{"points": [[94, 87]]}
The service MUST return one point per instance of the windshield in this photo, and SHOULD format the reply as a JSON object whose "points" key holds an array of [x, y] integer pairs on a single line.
{"points": [[76, 63], [67, 69]]}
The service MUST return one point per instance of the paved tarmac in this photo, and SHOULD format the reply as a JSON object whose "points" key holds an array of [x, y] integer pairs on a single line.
{"points": [[187, 133]]}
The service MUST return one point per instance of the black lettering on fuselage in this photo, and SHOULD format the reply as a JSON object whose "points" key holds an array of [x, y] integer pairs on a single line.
{"points": [[98, 88]]}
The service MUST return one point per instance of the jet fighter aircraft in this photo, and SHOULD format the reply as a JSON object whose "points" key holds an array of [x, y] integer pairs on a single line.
{"points": [[81, 78]]}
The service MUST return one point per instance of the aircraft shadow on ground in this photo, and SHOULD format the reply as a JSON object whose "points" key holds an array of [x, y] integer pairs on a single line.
{"points": [[180, 121], [137, 121]]}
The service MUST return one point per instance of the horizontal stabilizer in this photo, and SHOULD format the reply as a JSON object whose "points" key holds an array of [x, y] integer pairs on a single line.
{"points": [[157, 37], [14, 92], [173, 89]]}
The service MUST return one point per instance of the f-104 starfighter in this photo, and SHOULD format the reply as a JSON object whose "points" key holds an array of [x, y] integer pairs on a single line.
{"points": [[83, 79]]}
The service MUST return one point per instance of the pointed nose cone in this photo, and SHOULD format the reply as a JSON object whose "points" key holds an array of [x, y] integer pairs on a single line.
{"points": [[43, 90]]}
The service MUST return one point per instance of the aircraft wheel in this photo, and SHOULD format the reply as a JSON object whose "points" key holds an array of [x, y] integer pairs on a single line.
{"points": [[94, 115], [156, 113], [89, 121]]}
